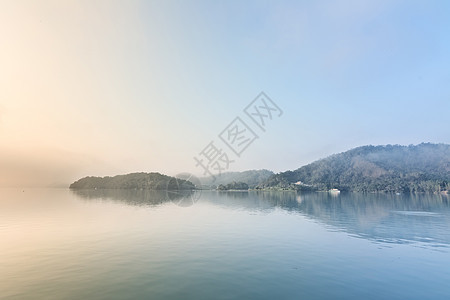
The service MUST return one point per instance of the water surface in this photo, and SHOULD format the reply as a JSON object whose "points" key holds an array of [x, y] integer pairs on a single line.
{"points": [[61, 244]]}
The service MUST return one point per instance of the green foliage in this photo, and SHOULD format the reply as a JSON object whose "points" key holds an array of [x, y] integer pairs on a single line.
{"points": [[391, 168], [233, 186], [150, 181]]}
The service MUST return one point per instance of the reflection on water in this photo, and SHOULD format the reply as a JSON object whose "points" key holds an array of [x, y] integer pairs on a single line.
{"points": [[384, 218], [140, 197], [138, 244]]}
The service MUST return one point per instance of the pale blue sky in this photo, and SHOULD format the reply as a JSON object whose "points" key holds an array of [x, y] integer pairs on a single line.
{"points": [[107, 87]]}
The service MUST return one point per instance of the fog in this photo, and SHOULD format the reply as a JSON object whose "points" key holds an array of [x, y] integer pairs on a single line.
{"points": [[47, 168]]}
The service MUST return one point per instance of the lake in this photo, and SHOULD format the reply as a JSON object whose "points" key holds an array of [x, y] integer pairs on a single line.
{"points": [[122, 244]]}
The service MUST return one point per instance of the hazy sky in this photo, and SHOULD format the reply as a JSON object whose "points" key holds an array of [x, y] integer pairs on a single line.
{"points": [[108, 87]]}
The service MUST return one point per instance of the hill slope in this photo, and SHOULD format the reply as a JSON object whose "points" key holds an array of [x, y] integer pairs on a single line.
{"points": [[391, 168], [150, 181]]}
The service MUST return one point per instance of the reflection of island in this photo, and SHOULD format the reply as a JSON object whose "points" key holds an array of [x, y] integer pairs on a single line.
{"points": [[137, 197]]}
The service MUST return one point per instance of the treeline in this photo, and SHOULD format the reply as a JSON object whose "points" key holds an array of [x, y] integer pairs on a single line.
{"points": [[391, 168], [233, 186], [250, 177], [150, 181]]}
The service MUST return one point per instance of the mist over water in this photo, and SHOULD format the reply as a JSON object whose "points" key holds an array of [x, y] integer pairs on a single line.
{"points": [[123, 244]]}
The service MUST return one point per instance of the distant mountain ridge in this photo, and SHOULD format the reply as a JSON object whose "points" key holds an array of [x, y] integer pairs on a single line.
{"points": [[251, 177], [391, 168]]}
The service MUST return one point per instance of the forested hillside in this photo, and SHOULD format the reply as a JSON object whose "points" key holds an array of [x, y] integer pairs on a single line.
{"points": [[391, 168], [252, 178], [151, 181]]}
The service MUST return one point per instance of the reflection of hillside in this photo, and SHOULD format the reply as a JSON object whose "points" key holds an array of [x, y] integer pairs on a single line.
{"points": [[385, 218], [378, 217], [133, 197], [260, 201]]}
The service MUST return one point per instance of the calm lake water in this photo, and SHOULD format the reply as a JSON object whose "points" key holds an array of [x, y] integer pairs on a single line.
{"points": [[61, 244]]}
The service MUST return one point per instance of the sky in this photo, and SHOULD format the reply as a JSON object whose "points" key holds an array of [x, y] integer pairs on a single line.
{"points": [[113, 87]]}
